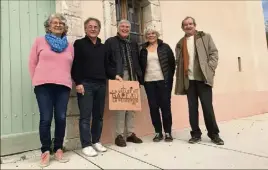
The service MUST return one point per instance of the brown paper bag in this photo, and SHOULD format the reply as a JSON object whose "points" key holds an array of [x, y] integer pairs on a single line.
{"points": [[124, 95]]}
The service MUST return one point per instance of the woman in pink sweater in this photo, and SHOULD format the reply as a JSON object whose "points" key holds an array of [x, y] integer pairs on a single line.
{"points": [[50, 63]]}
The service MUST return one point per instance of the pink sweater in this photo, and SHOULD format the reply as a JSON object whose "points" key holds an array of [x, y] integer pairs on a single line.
{"points": [[47, 66]]}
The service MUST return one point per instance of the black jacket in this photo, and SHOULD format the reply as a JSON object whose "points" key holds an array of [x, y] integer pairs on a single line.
{"points": [[166, 59], [114, 61], [88, 61]]}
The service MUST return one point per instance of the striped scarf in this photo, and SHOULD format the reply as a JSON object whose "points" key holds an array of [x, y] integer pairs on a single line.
{"points": [[125, 46]]}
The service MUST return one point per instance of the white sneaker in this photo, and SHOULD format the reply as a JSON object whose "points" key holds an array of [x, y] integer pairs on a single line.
{"points": [[89, 151], [99, 147]]}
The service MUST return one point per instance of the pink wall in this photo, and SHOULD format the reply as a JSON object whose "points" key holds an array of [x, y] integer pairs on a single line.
{"points": [[237, 32], [226, 106]]}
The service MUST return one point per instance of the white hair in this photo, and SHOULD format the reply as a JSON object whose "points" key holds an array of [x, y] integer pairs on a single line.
{"points": [[124, 21], [151, 28], [58, 16]]}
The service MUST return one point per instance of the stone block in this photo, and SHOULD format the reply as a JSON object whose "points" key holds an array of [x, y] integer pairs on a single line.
{"points": [[147, 14], [156, 24], [113, 30], [75, 25], [113, 14], [154, 2], [109, 17], [72, 11], [151, 12], [144, 3], [72, 127], [73, 91], [155, 12], [72, 109], [72, 144], [71, 7]]}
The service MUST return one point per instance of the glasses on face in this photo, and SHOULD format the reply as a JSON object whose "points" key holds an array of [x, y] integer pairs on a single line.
{"points": [[92, 27], [124, 26], [58, 23]]}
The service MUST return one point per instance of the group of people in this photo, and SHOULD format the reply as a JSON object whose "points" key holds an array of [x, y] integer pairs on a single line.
{"points": [[54, 64]]}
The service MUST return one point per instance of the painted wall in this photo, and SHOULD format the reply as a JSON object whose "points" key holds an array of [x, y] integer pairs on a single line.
{"points": [[237, 32], [88, 11], [21, 23]]}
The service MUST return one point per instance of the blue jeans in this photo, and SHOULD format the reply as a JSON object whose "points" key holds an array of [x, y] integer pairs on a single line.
{"points": [[91, 104], [52, 97]]}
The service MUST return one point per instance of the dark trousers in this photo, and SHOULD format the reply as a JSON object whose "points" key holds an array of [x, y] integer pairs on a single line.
{"points": [[159, 95], [52, 97], [91, 104], [204, 92]]}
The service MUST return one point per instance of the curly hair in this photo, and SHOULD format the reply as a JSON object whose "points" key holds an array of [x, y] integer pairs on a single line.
{"points": [[151, 28], [58, 16]]}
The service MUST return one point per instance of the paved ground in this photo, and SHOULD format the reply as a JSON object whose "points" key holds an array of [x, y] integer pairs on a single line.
{"points": [[246, 146]]}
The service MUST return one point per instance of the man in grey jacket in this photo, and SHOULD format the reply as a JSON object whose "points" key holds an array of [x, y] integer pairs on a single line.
{"points": [[197, 60]]}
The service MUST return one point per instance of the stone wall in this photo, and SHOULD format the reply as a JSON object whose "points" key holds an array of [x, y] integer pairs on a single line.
{"points": [[109, 18], [152, 14], [72, 11]]}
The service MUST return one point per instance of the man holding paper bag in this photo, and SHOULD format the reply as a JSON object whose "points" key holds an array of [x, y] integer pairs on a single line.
{"points": [[122, 64]]}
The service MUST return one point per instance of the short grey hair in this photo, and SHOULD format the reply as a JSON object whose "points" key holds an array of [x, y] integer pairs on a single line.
{"points": [[58, 16], [188, 17], [92, 19], [124, 21], [151, 29]]}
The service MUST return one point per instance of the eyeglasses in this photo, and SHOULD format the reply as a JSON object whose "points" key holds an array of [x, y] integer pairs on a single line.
{"points": [[92, 27], [58, 23]]}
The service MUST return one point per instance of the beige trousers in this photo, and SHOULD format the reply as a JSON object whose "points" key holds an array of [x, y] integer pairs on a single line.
{"points": [[124, 119]]}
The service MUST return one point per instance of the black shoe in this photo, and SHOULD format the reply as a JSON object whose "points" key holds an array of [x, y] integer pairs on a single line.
{"points": [[217, 140], [158, 137], [120, 141], [194, 140], [168, 137], [133, 138]]}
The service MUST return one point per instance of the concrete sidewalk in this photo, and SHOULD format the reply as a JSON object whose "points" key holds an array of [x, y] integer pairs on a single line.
{"points": [[246, 146]]}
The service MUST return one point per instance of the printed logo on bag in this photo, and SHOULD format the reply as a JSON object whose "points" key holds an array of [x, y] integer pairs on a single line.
{"points": [[126, 95]]}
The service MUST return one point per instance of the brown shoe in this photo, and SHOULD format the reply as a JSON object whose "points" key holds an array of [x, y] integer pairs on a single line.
{"points": [[119, 141], [133, 138]]}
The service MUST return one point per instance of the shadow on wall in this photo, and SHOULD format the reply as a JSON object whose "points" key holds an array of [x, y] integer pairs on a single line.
{"points": [[143, 125], [226, 107], [266, 30]]}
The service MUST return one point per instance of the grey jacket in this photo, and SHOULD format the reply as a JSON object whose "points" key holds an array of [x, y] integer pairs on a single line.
{"points": [[207, 54]]}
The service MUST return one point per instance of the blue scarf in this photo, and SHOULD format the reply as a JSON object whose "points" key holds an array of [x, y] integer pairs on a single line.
{"points": [[57, 44]]}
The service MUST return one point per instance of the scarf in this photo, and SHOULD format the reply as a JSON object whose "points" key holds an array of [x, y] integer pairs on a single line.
{"points": [[185, 55], [125, 46], [57, 44]]}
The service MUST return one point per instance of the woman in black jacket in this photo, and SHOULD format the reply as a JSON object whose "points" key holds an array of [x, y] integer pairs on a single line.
{"points": [[157, 63]]}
